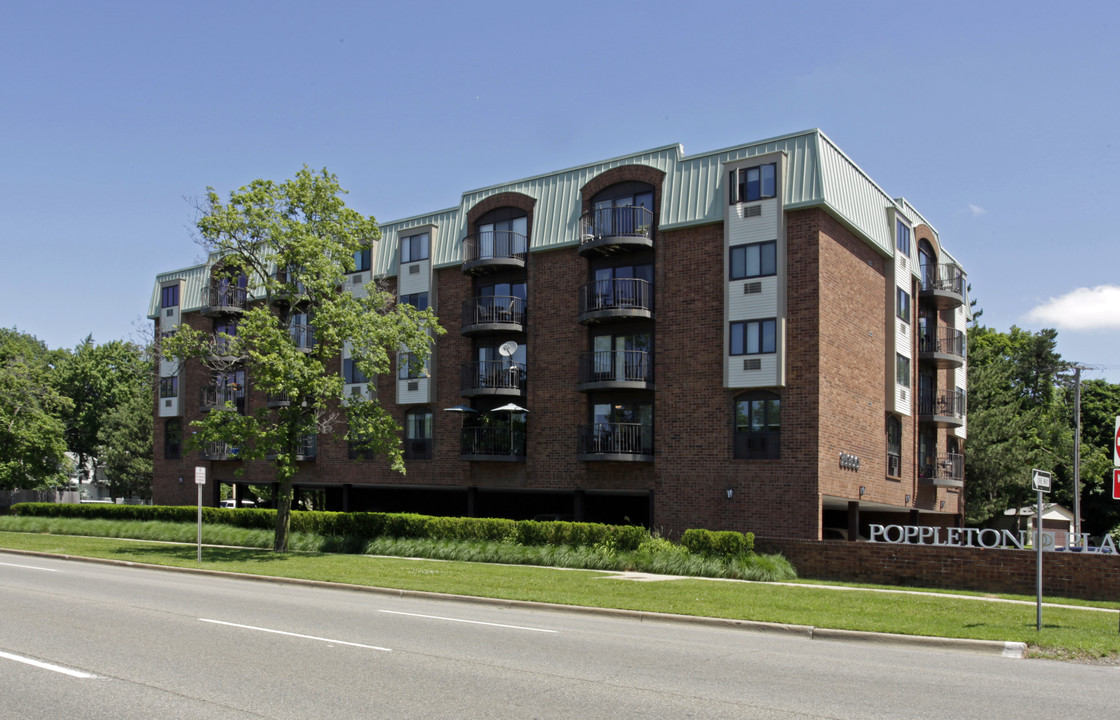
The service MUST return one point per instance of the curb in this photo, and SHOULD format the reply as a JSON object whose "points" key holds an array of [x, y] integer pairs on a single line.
{"points": [[1015, 650]]}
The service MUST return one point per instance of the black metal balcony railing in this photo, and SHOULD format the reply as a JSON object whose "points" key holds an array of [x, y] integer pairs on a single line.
{"points": [[505, 311], [303, 337], [223, 298], [944, 404], [945, 341], [616, 222], [616, 367], [306, 448], [945, 468], [618, 297], [943, 284], [218, 451], [493, 442], [495, 377], [211, 397], [616, 439], [287, 287], [500, 247]]}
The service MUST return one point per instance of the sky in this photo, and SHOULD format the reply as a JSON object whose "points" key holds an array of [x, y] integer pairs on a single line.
{"points": [[997, 120]]}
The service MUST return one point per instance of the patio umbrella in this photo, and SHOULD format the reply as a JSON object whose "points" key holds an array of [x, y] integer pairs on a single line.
{"points": [[510, 408]]}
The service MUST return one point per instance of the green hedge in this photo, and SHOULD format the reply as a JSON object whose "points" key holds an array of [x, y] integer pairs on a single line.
{"points": [[367, 525], [718, 543]]}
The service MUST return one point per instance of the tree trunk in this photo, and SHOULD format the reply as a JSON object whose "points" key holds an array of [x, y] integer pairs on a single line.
{"points": [[283, 515]]}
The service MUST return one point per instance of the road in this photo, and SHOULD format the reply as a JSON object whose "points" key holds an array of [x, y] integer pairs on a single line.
{"points": [[84, 640]]}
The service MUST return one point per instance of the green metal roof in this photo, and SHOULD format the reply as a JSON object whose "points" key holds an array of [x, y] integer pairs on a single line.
{"points": [[818, 174]]}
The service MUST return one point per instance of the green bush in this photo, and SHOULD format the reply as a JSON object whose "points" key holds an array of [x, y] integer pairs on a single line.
{"points": [[718, 543]]}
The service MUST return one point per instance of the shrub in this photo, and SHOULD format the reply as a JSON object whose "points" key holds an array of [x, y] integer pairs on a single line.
{"points": [[718, 543]]}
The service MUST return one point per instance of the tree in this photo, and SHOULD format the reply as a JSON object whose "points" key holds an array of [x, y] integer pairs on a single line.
{"points": [[294, 242], [1100, 404], [1017, 420], [32, 444], [125, 444], [99, 379]]}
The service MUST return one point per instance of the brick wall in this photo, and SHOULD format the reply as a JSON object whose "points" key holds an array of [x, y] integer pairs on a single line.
{"points": [[1073, 575]]}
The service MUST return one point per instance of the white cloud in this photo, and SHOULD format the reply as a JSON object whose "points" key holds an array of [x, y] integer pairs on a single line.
{"points": [[976, 210], [1095, 308]]}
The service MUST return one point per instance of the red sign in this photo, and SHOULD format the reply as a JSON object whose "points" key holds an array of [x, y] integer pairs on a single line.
{"points": [[1116, 484], [1116, 444]]}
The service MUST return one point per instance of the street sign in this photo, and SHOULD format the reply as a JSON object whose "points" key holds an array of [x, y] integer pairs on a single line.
{"points": [[200, 476], [1116, 484], [1040, 480]]}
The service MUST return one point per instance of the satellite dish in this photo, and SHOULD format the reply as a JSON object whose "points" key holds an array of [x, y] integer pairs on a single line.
{"points": [[507, 348]]}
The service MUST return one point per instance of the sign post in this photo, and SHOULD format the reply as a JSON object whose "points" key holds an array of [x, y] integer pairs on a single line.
{"points": [[1040, 481], [200, 480]]}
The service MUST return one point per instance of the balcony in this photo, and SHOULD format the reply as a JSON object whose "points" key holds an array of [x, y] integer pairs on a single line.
{"points": [[493, 313], [212, 397], [218, 451], [943, 285], [288, 290], [495, 250], [946, 470], [615, 370], [223, 299], [303, 337], [617, 299], [222, 349], [945, 348], [944, 409], [615, 229], [619, 442], [495, 443], [492, 377], [306, 449]]}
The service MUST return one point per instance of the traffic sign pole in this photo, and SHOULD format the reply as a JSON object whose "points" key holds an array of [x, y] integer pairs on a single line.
{"points": [[1040, 481], [200, 480]]}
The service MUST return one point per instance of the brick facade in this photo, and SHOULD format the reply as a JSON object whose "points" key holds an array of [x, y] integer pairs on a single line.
{"points": [[838, 311]]}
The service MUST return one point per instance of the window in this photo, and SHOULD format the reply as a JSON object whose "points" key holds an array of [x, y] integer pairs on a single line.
{"points": [[758, 426], [902, 238], [894, 446], [503, 233], [169, 296], [414, 248], [418, 434], [173, 439], [350, 372], [902, 369], [416, 300], [753, 183], [409, 367], [623, 209], [169, 386], [755, 260], [754, 337], [301, 332], [622, 358], [620, 427], [359, 448], [902, 305], [361, 260]]}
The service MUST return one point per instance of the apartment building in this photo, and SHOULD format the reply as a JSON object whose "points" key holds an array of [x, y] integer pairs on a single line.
{"points": [[757, 338]]}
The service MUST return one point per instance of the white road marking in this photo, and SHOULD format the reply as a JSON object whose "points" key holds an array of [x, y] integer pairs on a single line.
{"points": [[296, 635], [29, 567], [470, 622], [48, 666]]}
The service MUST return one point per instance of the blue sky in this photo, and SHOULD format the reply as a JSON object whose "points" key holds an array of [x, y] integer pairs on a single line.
{"points": [[997, 120]]}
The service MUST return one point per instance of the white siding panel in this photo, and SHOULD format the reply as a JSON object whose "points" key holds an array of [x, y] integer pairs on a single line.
{"points": [[765, 377], [741, 306], [169, 407], [410, 282], [412, 397]]}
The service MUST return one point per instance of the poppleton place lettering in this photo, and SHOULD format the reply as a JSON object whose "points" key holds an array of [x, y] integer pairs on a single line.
{"points": [[986, 538]]}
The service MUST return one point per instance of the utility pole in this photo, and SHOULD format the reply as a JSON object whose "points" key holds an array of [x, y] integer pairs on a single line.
{"points": [[1077, 449]]}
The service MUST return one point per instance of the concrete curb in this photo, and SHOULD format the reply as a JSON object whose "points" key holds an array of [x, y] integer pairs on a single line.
{"points": [[1014, 650]]}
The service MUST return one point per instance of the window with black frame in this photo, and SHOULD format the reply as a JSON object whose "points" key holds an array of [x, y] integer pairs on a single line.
{"points": [[173, 439], [894, 446], [758, 426], [754, 183], [418, 434]]}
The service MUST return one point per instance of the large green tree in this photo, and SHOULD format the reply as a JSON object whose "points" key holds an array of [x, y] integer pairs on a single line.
{"points": [[1017, 418], [32, 442], [295, 241], [125, 441], [100, 379], [1100, 404]]}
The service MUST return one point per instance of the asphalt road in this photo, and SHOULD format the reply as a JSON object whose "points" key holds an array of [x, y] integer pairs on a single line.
{"points": [[82, 640]]}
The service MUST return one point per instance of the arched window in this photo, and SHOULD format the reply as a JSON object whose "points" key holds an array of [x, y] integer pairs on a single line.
{"points": [[503, 233], [927, 259], [418, 434], [625, 208], [758, 425]]}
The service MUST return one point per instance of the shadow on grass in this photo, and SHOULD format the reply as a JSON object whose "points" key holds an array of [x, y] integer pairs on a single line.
{"points": [[217, 555]]}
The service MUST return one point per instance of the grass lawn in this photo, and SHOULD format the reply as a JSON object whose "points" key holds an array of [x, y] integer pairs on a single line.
{"points": [[1067, 632]]}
